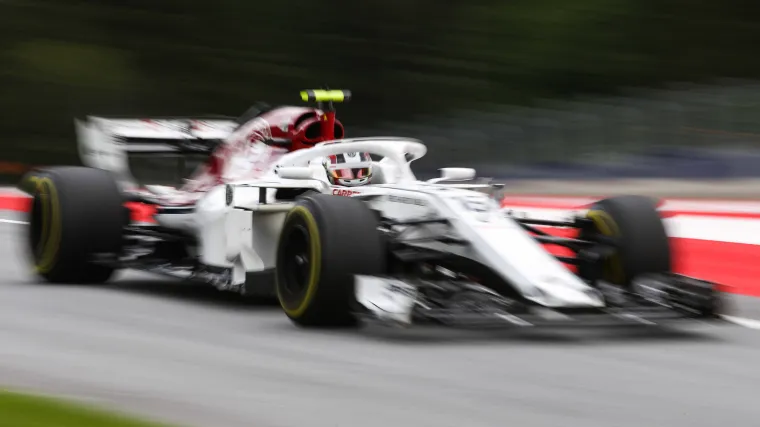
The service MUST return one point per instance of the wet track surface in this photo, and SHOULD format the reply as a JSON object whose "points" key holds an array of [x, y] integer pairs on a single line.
{"points": [[198, 357]]}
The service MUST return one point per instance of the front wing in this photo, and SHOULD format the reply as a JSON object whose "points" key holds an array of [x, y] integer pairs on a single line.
{"points": [[659, 299]]}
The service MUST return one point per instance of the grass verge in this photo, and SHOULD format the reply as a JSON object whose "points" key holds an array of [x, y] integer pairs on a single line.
{"points": [[24, 410]]}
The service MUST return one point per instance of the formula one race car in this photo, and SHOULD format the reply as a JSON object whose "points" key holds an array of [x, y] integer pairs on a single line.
{"points": [[374, 244]]}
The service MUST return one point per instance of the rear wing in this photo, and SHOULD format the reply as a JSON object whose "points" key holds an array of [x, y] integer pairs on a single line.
{"points": [[110, 143]]}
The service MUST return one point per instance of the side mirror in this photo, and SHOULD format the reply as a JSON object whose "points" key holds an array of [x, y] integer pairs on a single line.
{"points": [[295, 172], [455, 174]]}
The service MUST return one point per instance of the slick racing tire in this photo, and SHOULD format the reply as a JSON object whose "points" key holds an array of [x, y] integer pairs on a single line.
{"points": [[643, 244], [325, 241], [76, 212]]}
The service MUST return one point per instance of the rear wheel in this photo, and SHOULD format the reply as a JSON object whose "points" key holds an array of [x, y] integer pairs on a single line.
{"points": [[76, 213], [325, 241]]}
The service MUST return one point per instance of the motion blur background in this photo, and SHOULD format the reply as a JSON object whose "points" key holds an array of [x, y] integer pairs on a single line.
{"points": [[520, 88]]}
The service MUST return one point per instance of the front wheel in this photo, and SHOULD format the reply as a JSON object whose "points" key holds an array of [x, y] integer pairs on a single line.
{"points": [[325, 241], [643, 246]]}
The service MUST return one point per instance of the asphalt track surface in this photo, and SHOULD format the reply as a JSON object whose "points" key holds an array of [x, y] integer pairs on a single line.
{"points": [[198, 357]]}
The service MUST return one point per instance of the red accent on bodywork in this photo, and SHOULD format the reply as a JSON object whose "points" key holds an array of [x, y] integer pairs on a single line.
{"points": [[141, 212], [302, 126], [328, 125]]}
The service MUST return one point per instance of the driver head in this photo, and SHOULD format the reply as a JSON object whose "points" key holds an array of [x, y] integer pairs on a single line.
{"points": [[348, 169]]}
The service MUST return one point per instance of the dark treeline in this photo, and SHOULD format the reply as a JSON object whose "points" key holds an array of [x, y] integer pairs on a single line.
{"points": [[62, 58]]}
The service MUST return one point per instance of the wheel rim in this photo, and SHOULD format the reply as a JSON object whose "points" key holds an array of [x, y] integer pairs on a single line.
{"points": [[297, 261]]}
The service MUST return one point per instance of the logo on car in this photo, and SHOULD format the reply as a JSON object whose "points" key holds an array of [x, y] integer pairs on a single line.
{"points": [[341, 192]]}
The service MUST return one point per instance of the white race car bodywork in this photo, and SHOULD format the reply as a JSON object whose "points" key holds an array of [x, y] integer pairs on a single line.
{"points": [[430, 251], [238, 224]]}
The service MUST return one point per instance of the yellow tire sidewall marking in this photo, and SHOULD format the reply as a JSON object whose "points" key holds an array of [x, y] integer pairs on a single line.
{"points": [[50, 235], [315, 250], [607, 226]]}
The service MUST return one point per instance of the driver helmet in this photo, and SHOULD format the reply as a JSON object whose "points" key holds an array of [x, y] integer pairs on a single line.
{"points": [[348, 169]]}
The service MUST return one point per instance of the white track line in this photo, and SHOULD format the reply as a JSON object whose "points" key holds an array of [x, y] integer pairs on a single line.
{"points": [[13, 221], [741, 321]]}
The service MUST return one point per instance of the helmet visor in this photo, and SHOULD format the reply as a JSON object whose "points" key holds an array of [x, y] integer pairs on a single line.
{"points": [[354, 173]]}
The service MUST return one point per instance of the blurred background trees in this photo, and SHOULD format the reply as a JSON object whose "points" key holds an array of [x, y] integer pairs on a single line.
{"points": [[408, 62]]}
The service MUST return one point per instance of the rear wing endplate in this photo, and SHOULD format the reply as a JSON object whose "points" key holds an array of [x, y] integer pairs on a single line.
{"points": [[108, 143]]}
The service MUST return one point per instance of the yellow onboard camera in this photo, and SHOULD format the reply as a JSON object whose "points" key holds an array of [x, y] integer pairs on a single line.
{"points": [[323, 95]]}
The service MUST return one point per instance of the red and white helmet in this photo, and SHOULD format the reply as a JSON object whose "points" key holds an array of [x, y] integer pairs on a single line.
{"points": [[348, 169]]}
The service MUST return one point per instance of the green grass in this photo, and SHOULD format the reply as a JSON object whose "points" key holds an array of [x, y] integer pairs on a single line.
{"points": [[22, 410]]}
